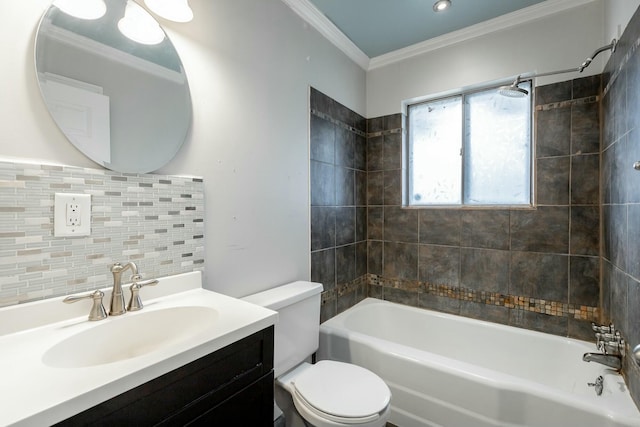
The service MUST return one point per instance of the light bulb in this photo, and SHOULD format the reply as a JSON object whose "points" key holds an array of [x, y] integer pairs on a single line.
{"points": [[139, 26], [173, 10], [83, 9]]}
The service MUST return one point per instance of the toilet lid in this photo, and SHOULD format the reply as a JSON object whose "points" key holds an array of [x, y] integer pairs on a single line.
{"points": [[343, 390]]}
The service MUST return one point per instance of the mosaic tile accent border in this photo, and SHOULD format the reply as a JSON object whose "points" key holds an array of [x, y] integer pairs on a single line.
{"points": [[384, 132], [156, 221], [337, 122], [343, 296], [515, 302], [568, 103], [358, 285]]}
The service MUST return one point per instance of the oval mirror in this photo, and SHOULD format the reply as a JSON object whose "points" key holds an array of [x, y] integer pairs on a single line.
{"points": [[113, 83]]}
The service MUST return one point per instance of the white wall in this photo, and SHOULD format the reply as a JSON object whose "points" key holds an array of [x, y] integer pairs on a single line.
{"points": [[557, 42], [617, 14], [249, 63]]}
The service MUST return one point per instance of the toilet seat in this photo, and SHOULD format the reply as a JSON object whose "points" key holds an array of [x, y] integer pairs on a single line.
{"points": [[300, 400], [339, 393]]}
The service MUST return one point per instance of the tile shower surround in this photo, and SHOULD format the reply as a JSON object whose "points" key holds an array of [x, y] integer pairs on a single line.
{"points": [[537, 269], [532, 268], [156, 221], [621, 194], [338, 150]]}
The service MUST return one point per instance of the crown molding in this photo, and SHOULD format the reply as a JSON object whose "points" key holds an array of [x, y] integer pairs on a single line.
{"points": [[307, 11], [503, 22]]}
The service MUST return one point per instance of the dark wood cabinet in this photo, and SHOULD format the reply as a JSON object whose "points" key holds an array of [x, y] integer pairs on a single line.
{"points": [[230, 387]]}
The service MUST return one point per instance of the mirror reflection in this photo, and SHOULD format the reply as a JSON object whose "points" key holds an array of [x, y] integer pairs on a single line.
{"points": [[113, 82]]}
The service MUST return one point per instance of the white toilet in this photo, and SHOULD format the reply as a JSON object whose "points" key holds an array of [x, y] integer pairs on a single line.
{"points": [[328, 393]]}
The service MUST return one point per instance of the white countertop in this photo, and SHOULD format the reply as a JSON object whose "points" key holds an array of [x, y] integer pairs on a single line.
{"points": [[32, 393]]}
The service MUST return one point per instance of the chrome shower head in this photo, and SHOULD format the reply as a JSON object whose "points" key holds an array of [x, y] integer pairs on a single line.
{"points": [[513, 91]]}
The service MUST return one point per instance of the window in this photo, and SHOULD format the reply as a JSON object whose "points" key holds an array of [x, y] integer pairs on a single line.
{"points": [[473, 148]]}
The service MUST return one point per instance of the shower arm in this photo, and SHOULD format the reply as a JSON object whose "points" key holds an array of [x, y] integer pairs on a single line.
{"points": [[611, 46]]}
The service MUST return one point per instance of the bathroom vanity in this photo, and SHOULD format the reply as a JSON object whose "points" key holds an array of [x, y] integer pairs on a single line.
{"points": [[232, 386], [190, 356]]}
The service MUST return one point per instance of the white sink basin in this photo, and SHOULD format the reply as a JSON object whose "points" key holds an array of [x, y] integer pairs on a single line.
{"points": [[132, 335], [48, 345]]}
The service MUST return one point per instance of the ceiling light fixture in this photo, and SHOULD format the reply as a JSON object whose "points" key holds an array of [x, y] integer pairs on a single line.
{"points": [[441, 5], [139, 26], [173, 10], [82, 9]]}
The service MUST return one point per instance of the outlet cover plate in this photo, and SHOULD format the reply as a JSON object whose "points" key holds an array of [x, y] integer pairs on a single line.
{"points": [[72, 215]]}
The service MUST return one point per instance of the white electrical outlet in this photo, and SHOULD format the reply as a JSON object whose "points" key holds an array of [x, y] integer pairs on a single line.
{"points": [[72, 215]]}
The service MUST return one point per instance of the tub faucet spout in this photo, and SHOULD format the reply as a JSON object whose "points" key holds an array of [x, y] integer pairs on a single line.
{"points": [[117, 297], [610, 360]]}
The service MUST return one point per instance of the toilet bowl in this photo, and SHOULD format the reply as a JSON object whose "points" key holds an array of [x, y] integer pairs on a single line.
{"points": [[337, 394], [327, 393]]}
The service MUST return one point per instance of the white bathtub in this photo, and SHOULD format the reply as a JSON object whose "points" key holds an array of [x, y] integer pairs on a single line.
{"points": [[451, 371]]}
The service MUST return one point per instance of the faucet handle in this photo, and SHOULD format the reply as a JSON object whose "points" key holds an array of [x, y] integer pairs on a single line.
{"points": [[606, 337], [603, 329], [135, 303], [602, 338], [614, 348], [97, 309]]}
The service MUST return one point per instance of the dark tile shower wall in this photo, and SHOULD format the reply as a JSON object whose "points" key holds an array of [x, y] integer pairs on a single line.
{"points": [[532, 268], [621, 194], [338, 154], [551, 269]]}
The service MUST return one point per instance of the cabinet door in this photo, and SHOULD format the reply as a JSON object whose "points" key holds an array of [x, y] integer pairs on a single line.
{"points": [[184, 394], [252, 406]]}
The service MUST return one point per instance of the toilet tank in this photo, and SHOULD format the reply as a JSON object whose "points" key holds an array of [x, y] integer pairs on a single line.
{"points": [[297, 330]]}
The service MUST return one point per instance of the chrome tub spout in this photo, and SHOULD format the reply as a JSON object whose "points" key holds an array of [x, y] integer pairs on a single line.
{"points": [[610, 360]]}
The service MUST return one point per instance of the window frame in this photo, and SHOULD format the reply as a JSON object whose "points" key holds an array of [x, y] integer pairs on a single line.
{"points": [[406, 148]]}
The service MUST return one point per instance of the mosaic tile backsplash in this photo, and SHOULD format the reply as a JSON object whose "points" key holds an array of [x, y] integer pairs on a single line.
{"points": [[157, 221]]}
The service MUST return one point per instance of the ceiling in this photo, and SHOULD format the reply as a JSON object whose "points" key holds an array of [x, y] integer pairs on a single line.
{"points": [[381, 26], [377, 32]]}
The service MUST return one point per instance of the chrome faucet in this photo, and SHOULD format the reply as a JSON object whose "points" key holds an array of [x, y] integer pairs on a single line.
{"points": [[610, 342], [118, 306], [611, 360]]}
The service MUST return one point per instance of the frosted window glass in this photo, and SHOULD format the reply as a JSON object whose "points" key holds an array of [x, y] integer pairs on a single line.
{"points": [[497, 148], [470, 149], [435, 141]]}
